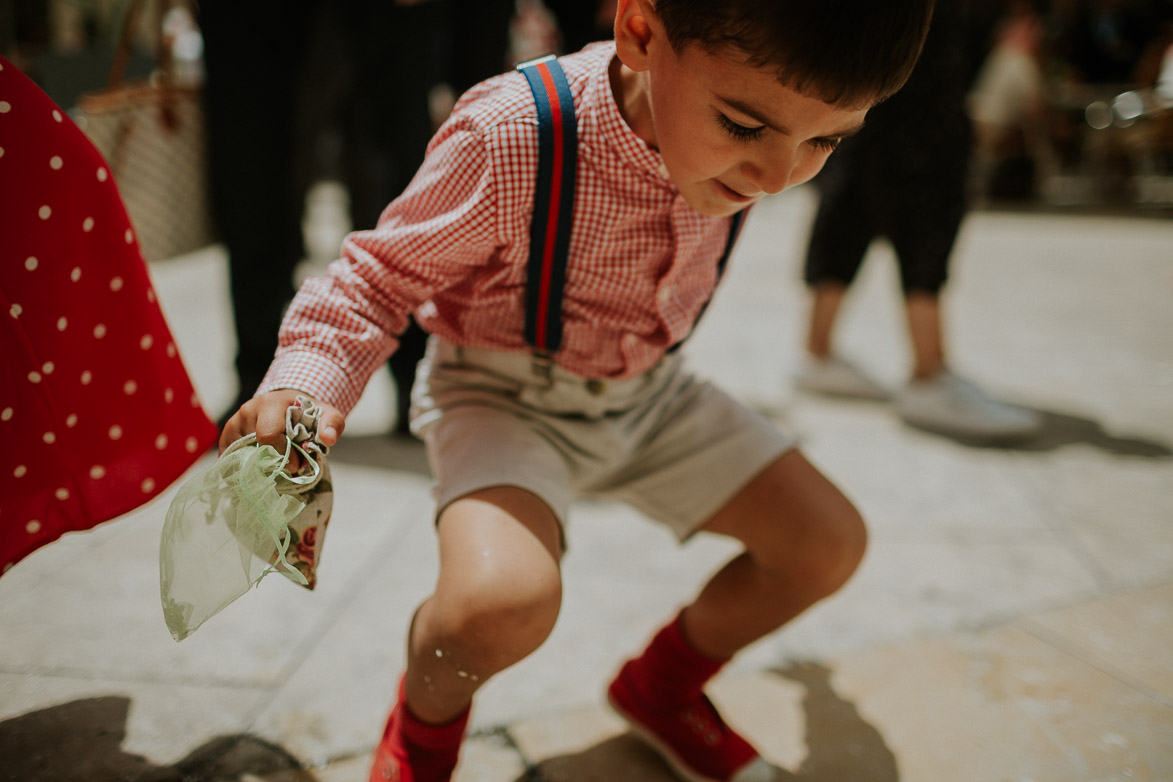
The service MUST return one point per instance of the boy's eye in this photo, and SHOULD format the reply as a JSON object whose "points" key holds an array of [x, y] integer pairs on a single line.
{"points": [[739, 132]]}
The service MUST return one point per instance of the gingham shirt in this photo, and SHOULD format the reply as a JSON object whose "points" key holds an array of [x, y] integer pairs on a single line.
{"points": [[453, 249]]}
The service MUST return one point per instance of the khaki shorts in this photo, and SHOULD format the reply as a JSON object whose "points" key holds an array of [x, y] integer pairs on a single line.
{"points": [[674, 447]]}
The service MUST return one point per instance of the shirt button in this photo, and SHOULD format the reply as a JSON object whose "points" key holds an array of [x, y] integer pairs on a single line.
{"points": [[595, 387]]}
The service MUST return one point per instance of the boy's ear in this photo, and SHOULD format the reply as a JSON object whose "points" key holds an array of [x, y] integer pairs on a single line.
{"points": [[633, 32]]}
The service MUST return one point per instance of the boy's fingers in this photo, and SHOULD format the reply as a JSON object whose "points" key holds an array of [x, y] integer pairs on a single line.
{"points": [[332, 424], [240, 424], [270, 427]]}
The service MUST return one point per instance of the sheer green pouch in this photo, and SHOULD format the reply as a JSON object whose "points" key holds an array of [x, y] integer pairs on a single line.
{"points": [[244, 517]]}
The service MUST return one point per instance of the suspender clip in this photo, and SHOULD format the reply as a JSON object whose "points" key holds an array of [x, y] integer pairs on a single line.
{"points": [[542, 364]]}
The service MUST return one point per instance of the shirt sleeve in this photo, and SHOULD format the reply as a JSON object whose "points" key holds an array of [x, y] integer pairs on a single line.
{"points": [[341, 327]]}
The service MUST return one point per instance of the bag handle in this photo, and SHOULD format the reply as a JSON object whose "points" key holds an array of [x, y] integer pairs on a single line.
{"points": [[121, 59]]}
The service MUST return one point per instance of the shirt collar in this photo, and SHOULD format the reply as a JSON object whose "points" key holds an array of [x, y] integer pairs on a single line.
{"points": [[614, 130]]}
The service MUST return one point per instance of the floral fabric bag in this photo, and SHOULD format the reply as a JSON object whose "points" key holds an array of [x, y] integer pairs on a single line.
{"points": [[244, 517]]}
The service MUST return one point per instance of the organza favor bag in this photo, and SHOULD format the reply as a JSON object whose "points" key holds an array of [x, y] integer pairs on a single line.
{"points": [[243, 518]]}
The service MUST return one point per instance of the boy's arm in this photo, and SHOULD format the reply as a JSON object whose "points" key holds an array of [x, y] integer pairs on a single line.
{"points": [[341, 328]]}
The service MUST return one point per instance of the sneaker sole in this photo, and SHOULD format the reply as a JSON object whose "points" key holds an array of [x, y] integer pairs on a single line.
{"points": [[663, 750]]}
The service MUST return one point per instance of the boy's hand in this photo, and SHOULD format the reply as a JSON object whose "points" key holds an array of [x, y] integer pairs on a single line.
{"points": [[265, 415]]}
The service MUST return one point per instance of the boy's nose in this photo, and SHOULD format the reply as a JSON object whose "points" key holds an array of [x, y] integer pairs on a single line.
{"points": [[770, 173]]}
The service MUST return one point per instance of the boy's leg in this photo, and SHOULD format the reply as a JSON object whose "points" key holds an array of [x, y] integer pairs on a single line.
{"points": [[803, 539], [496, 600]]}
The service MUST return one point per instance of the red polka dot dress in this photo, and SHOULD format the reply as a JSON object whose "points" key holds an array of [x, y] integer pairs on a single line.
{"points": [[97, 412]]}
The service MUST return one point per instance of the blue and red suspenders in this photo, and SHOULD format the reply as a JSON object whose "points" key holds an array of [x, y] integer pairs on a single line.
{"points": [[554, 208]]}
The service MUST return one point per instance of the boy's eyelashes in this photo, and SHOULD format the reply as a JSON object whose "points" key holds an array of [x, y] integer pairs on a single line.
{"points": [[739, 132]]}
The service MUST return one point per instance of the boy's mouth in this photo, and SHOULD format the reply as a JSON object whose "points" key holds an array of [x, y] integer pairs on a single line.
{"points": [[732, 195]]}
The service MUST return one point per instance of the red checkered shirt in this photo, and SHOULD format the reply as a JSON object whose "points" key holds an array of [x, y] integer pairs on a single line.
{"points": [[453, 249]]}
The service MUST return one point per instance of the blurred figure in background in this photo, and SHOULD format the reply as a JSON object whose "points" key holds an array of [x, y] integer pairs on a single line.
{"points": [[904, 178], [1007, 105], [280, 78]]}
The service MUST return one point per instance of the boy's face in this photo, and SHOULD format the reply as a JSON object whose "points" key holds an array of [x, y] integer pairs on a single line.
{"points": [[728, 132]]}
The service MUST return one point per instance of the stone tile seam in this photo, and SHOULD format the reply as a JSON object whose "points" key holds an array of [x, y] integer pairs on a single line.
{"points": [[1092, 660], [122, 677], [1032, 491]]}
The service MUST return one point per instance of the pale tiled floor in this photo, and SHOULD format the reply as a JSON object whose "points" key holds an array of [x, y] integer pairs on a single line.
{"points": [[1011, 622]]}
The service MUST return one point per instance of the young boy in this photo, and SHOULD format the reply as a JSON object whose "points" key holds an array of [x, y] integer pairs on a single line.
{"points": [[693, 113]]}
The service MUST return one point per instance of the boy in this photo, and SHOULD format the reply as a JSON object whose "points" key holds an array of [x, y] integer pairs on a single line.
{"points": [[695, 111]]}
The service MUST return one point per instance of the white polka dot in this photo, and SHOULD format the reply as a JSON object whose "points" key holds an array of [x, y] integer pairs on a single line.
{"points": [[56, 162], [115, 432], [171, 350], [102, 175], [146, 342], [168, 396], [62, 323], [33, 527], [7, 565], [151, 295], [71, 420], [49, 438], [191, 444], [195, 400], [34, 376], [6, 414], [5, 107], [129, 236], [99, 331], [97, 472], [48, 367], [86, 377], [1, 151], [75, 275], [87, 225], [62, 494], [161, 442], [129, 387], [20, 471], [116, 284], [15, 310], [44, 212], [56, 115], [30, 263], [148, 485]]}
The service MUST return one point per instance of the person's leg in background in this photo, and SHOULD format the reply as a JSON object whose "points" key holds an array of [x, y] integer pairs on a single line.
{"points": [[840, 236], [395, 60], [253, 56]]}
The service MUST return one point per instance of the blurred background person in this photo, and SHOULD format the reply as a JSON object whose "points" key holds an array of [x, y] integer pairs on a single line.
{"points": [[904, 179], [305, 89]]}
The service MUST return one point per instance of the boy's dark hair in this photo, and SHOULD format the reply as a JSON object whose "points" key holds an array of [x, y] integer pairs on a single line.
{"points": [[853, 52]]}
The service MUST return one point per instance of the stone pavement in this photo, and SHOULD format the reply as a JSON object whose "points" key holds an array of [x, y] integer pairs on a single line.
{"points": [[1012, 622]]}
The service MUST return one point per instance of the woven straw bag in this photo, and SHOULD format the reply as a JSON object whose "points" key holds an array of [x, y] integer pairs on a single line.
{"points": [[153, 138]]}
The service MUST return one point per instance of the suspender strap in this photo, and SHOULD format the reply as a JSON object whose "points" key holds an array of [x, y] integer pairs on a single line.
{"points": [[734, 230], [553, 203]]}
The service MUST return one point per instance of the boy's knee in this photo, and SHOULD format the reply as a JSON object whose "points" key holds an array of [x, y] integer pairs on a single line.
{"points": [[497, 616], [826, 553]]}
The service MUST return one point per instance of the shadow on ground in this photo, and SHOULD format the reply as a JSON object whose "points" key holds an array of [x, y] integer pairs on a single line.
{"points": [[81, 741], [841, 745], [1061, 429]]}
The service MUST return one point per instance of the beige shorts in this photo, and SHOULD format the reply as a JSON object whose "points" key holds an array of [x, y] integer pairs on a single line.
{"points": [[674, 447]]}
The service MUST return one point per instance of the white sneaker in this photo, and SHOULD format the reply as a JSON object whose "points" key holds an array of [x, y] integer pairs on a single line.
{"points": [[951, 405], [835, 376]]}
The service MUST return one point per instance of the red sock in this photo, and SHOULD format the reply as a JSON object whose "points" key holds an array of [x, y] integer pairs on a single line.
{"points": [[671, 670], [416, 751]]}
